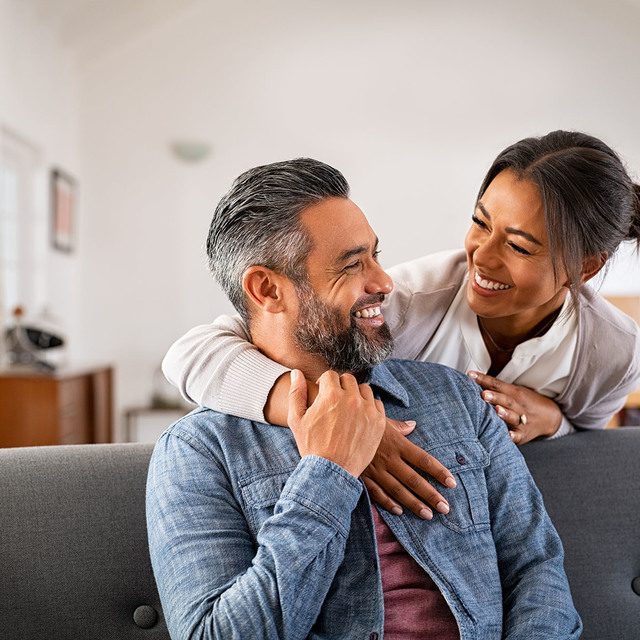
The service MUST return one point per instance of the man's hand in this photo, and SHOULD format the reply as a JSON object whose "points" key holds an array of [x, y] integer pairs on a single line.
{"points": [[344, 424], [527, 414]]}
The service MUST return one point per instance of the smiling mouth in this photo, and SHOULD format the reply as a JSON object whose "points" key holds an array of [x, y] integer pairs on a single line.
{"points": [[369, 312], [490, 285]]}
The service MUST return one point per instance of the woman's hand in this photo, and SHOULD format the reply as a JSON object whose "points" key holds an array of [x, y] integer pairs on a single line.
{"points": [[527, 414], [391, 482]]}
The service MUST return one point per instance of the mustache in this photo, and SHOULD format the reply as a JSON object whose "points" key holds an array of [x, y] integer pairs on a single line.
{"points": [[365, 301]]}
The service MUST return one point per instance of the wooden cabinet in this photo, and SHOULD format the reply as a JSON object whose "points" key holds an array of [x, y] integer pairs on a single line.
{"points": [[72, 406]]}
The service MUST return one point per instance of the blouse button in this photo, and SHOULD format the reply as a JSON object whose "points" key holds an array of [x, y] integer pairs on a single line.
{"points": [[460, 459]]}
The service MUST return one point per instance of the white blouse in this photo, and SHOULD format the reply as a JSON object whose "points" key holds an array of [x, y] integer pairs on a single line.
{"points": [[542, 363]]}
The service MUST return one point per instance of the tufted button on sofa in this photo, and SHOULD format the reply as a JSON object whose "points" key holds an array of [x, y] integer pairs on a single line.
{"points": [[73, 545], [75, 565]]}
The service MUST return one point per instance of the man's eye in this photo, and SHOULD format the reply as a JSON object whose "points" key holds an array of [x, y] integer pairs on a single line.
{"points": [[352, 266], [376, 254]]}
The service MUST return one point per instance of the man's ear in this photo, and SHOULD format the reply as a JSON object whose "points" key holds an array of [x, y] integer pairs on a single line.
{"points": [[592, 265], [265, 288]]}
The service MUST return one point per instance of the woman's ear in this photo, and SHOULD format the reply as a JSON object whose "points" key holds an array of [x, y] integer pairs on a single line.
{"points": [[265, 288], [592, 265]]}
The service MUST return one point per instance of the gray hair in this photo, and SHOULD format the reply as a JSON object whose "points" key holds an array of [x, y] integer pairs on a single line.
{"points": [[258, 222]]}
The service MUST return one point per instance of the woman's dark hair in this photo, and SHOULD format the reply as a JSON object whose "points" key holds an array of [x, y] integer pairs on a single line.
{"points": [[591, 204]]}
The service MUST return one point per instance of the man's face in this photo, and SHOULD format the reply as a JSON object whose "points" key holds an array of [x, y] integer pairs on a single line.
{"points": [[339, 316]]}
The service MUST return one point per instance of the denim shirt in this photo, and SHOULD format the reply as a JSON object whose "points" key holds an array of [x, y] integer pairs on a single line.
{"points": [[250, 541]]}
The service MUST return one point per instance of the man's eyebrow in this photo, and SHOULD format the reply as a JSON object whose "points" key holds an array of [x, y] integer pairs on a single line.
{"points": [[511, 230], [346, 255]]}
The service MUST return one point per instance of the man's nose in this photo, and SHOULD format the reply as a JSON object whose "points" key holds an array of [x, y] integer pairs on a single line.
{"points": [[378, 281]]}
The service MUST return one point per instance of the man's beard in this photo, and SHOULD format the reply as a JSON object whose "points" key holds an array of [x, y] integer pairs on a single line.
{"points": [[321, 332]]}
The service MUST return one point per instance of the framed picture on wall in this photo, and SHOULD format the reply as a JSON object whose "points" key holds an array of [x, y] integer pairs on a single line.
{"points": [[63, 205]]}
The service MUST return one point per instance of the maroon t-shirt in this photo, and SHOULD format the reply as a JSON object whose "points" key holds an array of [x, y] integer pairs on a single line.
{"points": [[414, 608]]}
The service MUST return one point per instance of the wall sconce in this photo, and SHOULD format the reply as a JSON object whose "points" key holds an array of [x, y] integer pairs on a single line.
{"points": [[190, 150]]}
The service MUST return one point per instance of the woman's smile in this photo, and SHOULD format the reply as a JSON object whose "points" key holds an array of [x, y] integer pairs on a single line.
{"points": [[487, 284]]}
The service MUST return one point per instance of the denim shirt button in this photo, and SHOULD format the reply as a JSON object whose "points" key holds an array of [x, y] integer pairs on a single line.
{"points": [[373, 636], [460, 459]]}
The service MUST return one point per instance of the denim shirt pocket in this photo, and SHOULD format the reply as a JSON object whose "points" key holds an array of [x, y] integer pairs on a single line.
{"points": [[260, 492], [469, 501]]}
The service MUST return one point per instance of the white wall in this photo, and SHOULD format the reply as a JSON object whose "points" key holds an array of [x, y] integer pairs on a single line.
{"points": [[39, 103], [411, 99]]}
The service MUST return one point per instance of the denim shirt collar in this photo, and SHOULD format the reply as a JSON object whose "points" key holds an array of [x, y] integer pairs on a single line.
{"points": [[381, 378]]}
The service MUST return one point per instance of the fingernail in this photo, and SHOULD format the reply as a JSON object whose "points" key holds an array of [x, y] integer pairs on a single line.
{"points": [[426, 514], [472, 374], [410, 423], [501, 411], [397, 511], [488, 395], [451, 482], [512, 435], [295, 375], [442, 507]]}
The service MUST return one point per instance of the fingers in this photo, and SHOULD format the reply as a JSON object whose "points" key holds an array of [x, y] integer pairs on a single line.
{"points": [[506, 407], [405, 428], [379, 496], [395, 450], [297, 397], [489, 382], [394, 494], [511, 417], [398, 484], [421, 459], [348, 382], [328, 380]]}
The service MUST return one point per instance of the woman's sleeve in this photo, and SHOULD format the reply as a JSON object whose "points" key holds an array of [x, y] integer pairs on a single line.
{"points": [[607, 367], [613, 393], [216, 366]]}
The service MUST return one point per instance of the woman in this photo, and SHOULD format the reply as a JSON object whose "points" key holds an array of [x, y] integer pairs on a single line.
{"points": [[514, 310]]}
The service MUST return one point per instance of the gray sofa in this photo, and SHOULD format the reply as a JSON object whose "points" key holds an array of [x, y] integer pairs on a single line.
{"points": [[75, 565]]}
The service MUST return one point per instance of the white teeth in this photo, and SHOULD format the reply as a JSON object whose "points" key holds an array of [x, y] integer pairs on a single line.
{"points": [[367, 313], [488, 284]]}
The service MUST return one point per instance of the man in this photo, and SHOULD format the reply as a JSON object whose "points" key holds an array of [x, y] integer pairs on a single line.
{"points": [[257, 531]]}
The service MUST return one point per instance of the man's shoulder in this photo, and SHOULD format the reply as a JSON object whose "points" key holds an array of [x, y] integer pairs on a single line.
{"points": [[425, 382], [205, 428], [193, 421], [433, 394], [431, 371]]}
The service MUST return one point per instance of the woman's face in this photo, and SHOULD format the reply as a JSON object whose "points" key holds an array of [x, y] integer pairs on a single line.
{"points": [[510, 268]]}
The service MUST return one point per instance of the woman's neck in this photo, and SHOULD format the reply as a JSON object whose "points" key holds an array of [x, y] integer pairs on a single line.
{"points": [[502, 335]]}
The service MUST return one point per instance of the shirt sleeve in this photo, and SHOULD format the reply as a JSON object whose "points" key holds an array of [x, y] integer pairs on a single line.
{"points": [[537, 598], [216, 366], [564, 429], [215, 579]]}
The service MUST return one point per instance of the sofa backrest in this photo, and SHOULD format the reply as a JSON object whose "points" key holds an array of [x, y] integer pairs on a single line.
{"points": [[74, 560], [75, 564], [590, 482]]}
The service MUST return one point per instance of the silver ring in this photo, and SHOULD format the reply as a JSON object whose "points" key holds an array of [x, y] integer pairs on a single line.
{"points": [[523, 418]]}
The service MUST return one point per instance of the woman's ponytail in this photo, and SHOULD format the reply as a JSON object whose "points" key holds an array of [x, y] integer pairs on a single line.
{"points": [[634, 229]]}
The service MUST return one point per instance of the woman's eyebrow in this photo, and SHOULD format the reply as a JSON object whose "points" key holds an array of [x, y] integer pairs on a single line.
{"points": [[511, 230]]}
